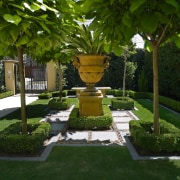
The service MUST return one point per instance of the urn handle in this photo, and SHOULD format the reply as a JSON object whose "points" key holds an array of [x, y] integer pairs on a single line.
{"points": [[76, 62]]}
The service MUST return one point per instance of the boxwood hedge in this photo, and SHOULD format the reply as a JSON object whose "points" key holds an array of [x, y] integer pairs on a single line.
{"points": [[12, 141], [122, 103], [90, 122], [167, 141]]}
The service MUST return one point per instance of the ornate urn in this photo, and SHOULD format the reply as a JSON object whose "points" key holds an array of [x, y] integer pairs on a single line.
{"points": [[91, 70]]}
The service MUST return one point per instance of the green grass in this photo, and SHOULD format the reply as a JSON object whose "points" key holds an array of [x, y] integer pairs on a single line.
{"points": [[35, 111], [87, 163], [145, 112]]}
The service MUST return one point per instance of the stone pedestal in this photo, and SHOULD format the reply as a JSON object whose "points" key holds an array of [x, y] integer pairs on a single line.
{"points": [[90, 103]]}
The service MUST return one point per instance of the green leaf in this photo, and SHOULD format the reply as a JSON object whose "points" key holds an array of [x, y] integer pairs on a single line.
{"points": [[127, 20], [14, 33], [26, 5], [45, 27], [148, 46], [177, 40], [14, 19], [3, 25], [23, 40], [44, 16], [149, 23], [57, 55], [35, 6], [118, 50], [136, 4], [18, 6], [173, 3]]}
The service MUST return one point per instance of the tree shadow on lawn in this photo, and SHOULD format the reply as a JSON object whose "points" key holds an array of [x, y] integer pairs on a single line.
{"points": [[33, 111]]}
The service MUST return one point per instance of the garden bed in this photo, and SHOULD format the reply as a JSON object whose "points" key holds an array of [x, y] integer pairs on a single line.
{"points": [[147, 143], [13, 143], [103, 122]]}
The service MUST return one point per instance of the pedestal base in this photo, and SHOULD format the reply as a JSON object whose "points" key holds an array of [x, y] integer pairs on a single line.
{"points": [[90, 104]]}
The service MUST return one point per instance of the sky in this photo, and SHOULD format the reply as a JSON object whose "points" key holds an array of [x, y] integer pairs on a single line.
{"points": [[138, 41]]}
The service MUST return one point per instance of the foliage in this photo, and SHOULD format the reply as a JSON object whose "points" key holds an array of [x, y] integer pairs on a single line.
{"points": [[45, 95], [157, 23], [56, 93], [55, 103], [167, 141], [125, 103], [142, 82], [26, 27], [168, 102], [90, 122], [13, 142], [85, 41]]}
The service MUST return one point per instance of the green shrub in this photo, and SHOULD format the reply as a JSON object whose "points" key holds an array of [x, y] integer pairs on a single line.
{"points": [[71, 92], [122, 103], [90, 122], [56, 104], [167, 141], [6, 94], [45, 95], [13, 142], [168, 102], [56, 93], [110, 92], [138, 95], [118, 92]]}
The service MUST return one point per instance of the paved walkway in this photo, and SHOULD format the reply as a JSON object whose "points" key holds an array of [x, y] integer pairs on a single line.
{"points": [[10, 104], [115, 135]]}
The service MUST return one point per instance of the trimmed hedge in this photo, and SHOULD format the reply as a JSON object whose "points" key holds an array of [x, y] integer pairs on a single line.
{"points": [[13, 142], [116, 92], [122, 103], [90, 122], [71, 92], [56, 104], [167, 141], [168, 102], [45, 95], [6, 94], [56, 93]]}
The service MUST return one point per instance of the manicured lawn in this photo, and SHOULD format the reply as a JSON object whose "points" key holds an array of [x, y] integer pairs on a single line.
{"points": [[145, 112], [90, 163], [35, 111]]}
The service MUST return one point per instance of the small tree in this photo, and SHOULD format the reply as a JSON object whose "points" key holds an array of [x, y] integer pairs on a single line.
{"points": [[157, 23], [127, 51], [27, 27], [60, 58]]}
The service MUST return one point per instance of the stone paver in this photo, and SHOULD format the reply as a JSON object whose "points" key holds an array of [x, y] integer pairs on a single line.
{"points": [[122, 119], [76, 135], [122, 126], [103, 136]]}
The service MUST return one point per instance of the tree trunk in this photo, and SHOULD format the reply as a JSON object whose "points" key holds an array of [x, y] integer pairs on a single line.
{"points": [[155, 91], [124, 77], [22, 90], [60, 80]]}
